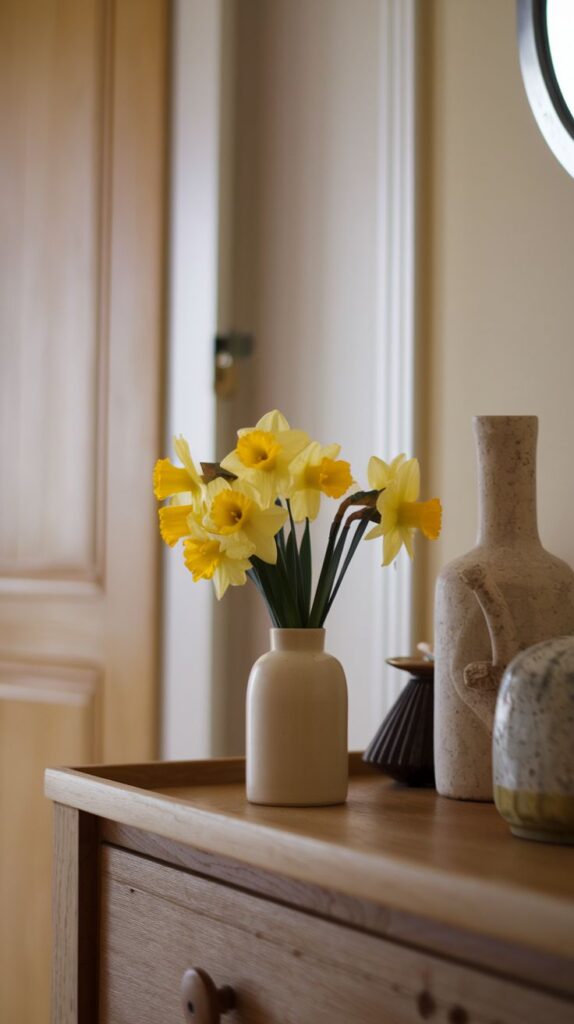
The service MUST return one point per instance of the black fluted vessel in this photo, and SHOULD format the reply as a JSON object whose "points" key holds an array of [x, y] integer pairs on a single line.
{"points": [[403, 745]]}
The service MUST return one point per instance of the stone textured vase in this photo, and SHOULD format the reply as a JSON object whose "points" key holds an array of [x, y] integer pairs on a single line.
{"points": [[297, 723], [533, 748], [505, 595]]}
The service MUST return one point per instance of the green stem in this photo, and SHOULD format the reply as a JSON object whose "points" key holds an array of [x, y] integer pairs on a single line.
{"points": [[254, 577], [326, 587], [361, 527], [298, 582], [306, 570]]}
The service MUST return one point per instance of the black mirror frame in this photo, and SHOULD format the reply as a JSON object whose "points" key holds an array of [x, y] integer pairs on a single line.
{"points": [[552, 115]]}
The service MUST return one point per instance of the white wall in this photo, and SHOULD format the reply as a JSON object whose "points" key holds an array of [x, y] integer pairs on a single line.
{"points": [[308, 269], [499, 269], [188, 611], [294, 191]]}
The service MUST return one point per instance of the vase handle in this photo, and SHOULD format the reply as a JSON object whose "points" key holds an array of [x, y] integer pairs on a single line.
{"points": [[482, 678]]}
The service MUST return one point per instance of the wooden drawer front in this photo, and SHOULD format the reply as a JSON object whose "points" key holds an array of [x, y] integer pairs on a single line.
{"points": [[285, 966]]}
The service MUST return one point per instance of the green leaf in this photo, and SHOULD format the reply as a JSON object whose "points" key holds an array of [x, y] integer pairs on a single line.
{"points": [[306, 570], [277, 588], [255, 578], [291, 555], [326, 579], [288, 582], [280, 536], [361, 527], [296, 569]]}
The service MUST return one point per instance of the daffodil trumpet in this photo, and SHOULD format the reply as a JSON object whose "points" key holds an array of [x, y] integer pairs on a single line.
{"points": [[233, 517]]}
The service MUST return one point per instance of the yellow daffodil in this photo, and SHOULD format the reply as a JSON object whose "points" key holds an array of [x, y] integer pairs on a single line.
{"points": [[315, 471], [241, 526], [173, 522], [380, 473], [206, 559], [231, 517], [263, 456], [169, 479], [401, 513]]}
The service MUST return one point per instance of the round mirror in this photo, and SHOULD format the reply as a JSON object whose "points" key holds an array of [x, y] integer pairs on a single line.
{"points": [[546, 45]]}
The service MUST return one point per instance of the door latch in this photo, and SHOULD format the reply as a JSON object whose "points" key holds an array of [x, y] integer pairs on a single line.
{"points": [[229, 349]]}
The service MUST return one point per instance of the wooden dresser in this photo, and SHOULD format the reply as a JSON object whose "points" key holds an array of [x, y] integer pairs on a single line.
{"points": [[396, 908]]}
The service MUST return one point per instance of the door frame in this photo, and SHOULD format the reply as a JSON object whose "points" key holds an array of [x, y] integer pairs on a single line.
{"points": [[191, 693]]}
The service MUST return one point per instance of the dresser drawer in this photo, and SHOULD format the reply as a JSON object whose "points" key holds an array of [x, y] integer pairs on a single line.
{"points": [[285, 966]]}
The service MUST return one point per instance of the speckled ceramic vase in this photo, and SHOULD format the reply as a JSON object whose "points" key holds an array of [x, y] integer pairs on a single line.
{"points": [[533, 746], [297, 723], [505, 595]]}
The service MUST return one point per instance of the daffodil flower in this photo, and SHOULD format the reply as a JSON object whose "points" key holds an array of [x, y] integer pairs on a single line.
{"points": [[169, 480], [231, 518], [174, 522], [401, 513], [380, 474], [315, 471], [206, 559], [263, 456], [241, 526]]}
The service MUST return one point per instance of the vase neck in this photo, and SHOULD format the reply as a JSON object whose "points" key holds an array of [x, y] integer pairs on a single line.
{"points": [[506, 451], [297, 639]]}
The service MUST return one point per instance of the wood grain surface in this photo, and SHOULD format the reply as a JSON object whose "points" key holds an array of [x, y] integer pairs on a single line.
{"points": [[408, 850], [283, 965], [463, 945], [75, 917]]}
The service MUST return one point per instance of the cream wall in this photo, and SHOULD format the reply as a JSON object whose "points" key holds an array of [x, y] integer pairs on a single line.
{"points": [[306, 278], [497, 274]]}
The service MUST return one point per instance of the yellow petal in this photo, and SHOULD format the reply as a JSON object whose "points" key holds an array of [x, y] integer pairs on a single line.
{"points": [[181, 449], [173, 523], [409, 480], [380, 473], [292, 442], [237, 545], [169, 479], [432, 519], [233, 464], [407, 538], [258, 449], [230, 572], [310, 455], [422, 515], [335, 478], [201, 557], [229, 512], [305, 504], [387, 506], [377, 531], [273, 421], [377, 473], [265, 546], [392, 543]]}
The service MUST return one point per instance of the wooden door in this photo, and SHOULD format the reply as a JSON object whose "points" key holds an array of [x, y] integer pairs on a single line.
{"points": [[82, 199]]}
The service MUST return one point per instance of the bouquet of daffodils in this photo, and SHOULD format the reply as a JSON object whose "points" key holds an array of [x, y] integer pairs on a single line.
{"points": [[237, 518]]}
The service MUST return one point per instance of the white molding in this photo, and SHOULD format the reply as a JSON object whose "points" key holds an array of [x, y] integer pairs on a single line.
{"points": [[188, 611], [395, 414]]}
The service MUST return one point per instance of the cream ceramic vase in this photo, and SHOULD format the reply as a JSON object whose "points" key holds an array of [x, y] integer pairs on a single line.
{"points": [[533, 749], [297, 723], [507, 594]]}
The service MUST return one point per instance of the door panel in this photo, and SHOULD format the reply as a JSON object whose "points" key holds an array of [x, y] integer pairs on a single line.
{"points": [[83, 102], [47, 714], [51, 208]]}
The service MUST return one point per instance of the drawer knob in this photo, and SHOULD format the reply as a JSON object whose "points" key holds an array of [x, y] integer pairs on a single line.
{"points": [[202, 1001]]}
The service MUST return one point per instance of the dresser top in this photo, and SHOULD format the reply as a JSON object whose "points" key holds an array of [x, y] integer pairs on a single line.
{"points": [[406, 849]]}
